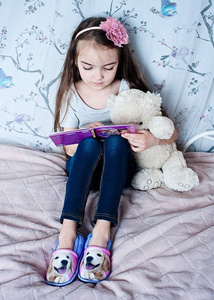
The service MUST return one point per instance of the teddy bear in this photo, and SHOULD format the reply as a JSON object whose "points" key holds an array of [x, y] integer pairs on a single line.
{"points": [[158, 164]]}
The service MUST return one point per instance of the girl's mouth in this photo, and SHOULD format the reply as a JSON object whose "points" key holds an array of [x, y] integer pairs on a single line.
{"points": [[98, 83]]}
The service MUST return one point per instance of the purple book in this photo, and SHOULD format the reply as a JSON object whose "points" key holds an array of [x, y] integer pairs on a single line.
{"points": [[75, 136]]}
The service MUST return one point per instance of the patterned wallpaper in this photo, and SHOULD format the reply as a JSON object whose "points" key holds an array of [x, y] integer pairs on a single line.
{"points": [[172, 41]]}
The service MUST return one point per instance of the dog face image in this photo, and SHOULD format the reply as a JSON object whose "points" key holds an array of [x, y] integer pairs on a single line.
{"points": [[95, 265], [60, 268]]}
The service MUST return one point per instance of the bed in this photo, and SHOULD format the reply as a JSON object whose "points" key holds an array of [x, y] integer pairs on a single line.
{"points": [[162, 249]]}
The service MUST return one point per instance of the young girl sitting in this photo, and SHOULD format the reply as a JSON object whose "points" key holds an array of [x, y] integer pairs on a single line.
{"points": [[98, 64]]}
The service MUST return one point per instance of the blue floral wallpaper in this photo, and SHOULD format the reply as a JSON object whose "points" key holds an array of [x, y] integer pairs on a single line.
{"points": [[173, 42]]}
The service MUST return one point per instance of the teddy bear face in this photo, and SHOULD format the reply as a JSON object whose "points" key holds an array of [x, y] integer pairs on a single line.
{"points": [[134, 107]]}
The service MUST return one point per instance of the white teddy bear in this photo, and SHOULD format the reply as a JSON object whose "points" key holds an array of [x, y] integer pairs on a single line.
{"points": [[159, 163]]}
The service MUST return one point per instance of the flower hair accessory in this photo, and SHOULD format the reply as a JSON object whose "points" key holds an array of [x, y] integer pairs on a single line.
{"points": [[115, 31]]}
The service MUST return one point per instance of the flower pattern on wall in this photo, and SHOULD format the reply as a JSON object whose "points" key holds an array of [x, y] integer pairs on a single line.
{"points": [[166, 37]]}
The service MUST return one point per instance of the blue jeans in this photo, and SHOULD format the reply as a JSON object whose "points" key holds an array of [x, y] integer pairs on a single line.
{"points": [[107, 166]]}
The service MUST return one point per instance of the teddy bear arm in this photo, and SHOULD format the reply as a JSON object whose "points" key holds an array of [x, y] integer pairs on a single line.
{"points": [[161, 127]]}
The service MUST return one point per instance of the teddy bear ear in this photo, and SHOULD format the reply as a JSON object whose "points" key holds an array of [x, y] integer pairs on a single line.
{"points": [[111, 101], [156, 100], [156, 97]]}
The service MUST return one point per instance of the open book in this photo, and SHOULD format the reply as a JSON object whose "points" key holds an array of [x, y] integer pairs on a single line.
{"points": [[75, 136]]}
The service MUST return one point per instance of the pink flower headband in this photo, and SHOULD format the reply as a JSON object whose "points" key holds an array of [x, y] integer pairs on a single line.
{"points": [[115, 31]]}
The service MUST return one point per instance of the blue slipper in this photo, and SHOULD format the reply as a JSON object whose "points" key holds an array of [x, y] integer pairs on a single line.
{"points": [[64, 264], [95, 265]]}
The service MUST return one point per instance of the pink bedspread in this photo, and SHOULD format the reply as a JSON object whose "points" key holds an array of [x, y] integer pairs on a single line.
{"points": [[162, 249]]}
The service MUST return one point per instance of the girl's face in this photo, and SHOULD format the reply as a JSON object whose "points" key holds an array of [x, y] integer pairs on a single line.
{"points": [[97, 64]]}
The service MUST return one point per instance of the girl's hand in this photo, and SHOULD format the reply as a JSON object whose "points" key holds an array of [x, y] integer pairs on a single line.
{"points": [[95, 124], [141, 140]]}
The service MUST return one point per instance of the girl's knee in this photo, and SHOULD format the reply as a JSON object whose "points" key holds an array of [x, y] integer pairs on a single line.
{"points": [[89, 145], [116, 143], [89, 141]]}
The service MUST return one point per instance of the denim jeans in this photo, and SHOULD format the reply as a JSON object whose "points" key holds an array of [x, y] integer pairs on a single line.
{"points": [[107, 166]]}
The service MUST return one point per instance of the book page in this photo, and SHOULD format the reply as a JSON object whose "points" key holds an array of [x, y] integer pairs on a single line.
{"points": [[106, 131]]}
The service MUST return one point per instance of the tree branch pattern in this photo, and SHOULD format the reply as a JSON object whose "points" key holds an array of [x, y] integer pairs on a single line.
{"points": [[177, 57]]}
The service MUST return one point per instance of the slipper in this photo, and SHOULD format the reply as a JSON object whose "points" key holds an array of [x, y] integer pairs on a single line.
{"points": [[95, 265], [64, 264]]}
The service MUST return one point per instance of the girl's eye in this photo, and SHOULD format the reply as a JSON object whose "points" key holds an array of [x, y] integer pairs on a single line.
{"points": [[108, 69], [87, 69], [90, 68]]}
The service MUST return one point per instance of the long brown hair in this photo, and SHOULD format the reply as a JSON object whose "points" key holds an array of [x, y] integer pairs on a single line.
{"points": [[127, 67]]}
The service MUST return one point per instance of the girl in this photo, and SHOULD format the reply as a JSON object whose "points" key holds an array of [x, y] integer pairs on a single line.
{"points": [[98, 64]]}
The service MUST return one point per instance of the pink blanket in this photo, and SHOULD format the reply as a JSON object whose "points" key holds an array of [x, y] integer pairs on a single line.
{"points": [[162, 249]]}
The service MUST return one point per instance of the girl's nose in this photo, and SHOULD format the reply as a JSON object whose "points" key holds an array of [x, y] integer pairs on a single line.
{"points": [[99, 74]]}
